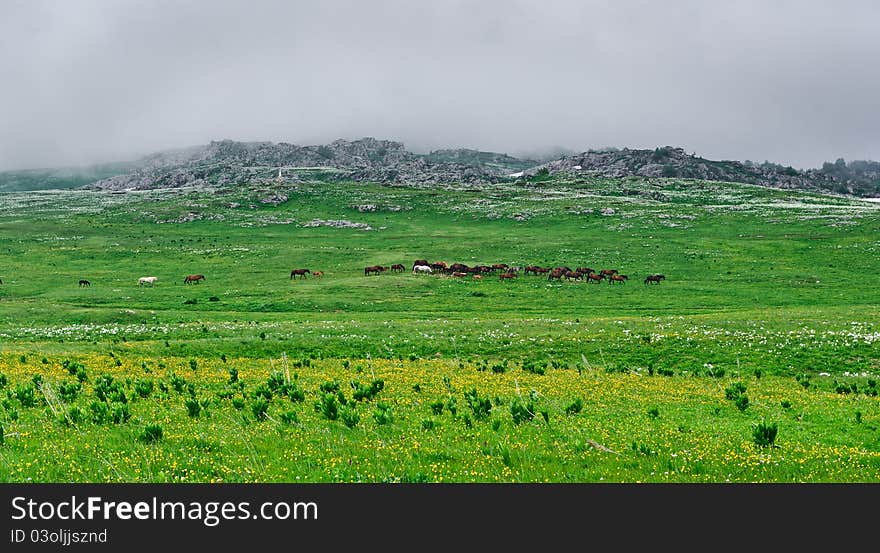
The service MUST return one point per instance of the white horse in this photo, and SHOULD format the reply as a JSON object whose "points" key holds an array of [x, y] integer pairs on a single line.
{"points": [[422, 269], [147, 280]]}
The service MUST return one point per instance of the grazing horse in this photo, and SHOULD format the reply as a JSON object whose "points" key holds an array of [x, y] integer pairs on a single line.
{"points": [[573, 275], [608, 272], [506, 276], [299, 272], [498, 266], [375, 269], [595, 277], [318, 274], [617, 278], [84, 282], [585, 270], [193, 279], [654, 278], [439, 265], [420, 262], [397, 268], [422, 269], [151, 280], [458, 267], [556, 274]]}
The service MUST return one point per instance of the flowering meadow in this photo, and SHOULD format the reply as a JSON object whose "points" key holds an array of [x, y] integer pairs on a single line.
{"points": [[757, 359]]}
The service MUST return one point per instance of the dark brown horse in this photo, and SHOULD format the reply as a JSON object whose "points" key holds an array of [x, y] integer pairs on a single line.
{"points": [[608, 272], [299, 272], [398, 268], [84, 282], [193, 279], [374, 270], [617, 278], [585, 270], [654, 278], [556, 274], [595, 277], [420, 262], [573, 275], [506, 276]]}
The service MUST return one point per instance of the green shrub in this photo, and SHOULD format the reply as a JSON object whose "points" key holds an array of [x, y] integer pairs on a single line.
{"points": [[68, 391], [437, 406], [25, 394], [764, 434], [143, 388], [259, 408], [653, 412], [328, 406], [349, 416], [734, 391], [193, 407], [289, 417], [481, 406], [152, 433], [382, 414], [521, 411], [574, 407]]}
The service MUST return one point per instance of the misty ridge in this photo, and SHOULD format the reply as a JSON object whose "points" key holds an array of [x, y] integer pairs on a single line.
{"points": [[226, 163]]}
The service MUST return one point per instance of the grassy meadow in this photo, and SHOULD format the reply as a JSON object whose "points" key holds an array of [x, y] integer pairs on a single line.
{"points": [[756, 360]]}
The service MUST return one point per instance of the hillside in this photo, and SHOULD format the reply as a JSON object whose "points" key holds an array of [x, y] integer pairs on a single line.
{"points": [[227, 163], [858, 178]]}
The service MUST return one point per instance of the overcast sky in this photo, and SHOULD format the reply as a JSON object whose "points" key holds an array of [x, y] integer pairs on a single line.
{"points": [[795, 82]]}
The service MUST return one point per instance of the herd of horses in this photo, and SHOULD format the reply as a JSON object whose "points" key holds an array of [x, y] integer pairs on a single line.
{"points": [[505, 272], [457, 270]]}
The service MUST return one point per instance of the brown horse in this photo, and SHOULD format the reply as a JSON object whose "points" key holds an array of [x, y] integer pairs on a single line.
{"points": [[617, 278], [318, 274], [420, 262], [299, 272], [556, 274], [506, 276], [374, 269], [398, 268], [573, 275], [608, 272], [654, 278], [193, 279], [585, 270], [595, 277]]}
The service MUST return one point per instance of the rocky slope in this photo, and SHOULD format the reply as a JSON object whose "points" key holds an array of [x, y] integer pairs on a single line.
{"points": [[228, 163], [861, 178]]}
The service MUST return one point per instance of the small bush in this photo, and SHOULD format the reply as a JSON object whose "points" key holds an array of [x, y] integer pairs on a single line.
{"points": [[193, 407], [653, 412], [26, 395], [143, 388], [785, 404], [437, 406], [574, 407], [349, 416], [521, 411], [742, 402], [734, 390], [68, 391], [382, 414], [152, 433], [481, 406], [764, 434], [289, 418], [259, 408], [328, 406]]}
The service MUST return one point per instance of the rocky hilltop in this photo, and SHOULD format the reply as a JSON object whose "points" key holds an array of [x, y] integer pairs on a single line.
{"points": [[861, 178], [228, 163]]}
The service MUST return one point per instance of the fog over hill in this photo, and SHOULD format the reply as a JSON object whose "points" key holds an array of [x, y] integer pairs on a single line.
{"points": [[228, 163]]}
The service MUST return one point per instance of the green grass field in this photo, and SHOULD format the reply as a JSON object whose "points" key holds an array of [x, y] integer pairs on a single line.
{"points": [[767, 319]]}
